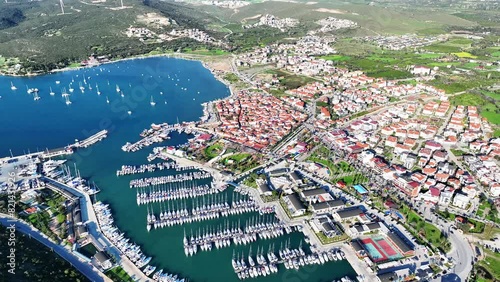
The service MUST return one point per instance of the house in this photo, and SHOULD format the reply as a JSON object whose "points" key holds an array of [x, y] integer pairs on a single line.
{"points": [[315, 195], [294, 205], [350, 213], [103, 260], [264, 189], [432, 196], [445, 197], [29, 197], [461, 201], [327, 206], [82, 231]]}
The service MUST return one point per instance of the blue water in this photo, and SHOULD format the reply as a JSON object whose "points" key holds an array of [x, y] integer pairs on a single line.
{"points": [[26, 124], [49, 122]]}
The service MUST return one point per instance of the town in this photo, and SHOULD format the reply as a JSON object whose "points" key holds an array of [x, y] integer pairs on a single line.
{"points": [[397, 174]]}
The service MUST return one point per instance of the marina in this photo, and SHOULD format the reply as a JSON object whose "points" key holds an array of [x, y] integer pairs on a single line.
{"points": [[99, 164], [175, 192], [227, 233], [138, 169], [150, 181], [131, 250], [206, 208]]}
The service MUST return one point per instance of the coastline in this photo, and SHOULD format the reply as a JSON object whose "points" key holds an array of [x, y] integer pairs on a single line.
{"points": [[184, 56]]}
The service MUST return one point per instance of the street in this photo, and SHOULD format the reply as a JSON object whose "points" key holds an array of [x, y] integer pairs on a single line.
{"points": [[86, 269]]}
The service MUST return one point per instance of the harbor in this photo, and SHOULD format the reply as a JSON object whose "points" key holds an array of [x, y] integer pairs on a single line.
{"points": [[99, 164]]}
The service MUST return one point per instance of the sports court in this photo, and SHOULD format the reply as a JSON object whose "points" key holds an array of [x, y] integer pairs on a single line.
{"points": [[380, 249]]}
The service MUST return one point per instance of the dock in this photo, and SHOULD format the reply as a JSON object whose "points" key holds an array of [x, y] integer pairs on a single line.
{"points": [[68, 150]]}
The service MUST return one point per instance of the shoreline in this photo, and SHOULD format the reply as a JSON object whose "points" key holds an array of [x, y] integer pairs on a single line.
{"points": [[184, 56]]}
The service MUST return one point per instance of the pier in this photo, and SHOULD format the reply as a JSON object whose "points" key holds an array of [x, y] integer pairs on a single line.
{"points": [[68, 150], [151, 181]]}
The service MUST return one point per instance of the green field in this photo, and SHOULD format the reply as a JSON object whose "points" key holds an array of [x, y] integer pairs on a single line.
{"points": [[291, 81], [491, 263], [336, 58], [213, 150], [487, 108]]}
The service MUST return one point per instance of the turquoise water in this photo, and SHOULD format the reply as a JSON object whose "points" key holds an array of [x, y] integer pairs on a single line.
{"points": [[31, 125]]}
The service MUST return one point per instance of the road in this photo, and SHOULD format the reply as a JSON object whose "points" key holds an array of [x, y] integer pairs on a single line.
{"points": [[85, 268], [95, 234]]}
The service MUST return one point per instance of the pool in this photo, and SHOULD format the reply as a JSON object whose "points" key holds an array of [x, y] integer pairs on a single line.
{"points": [[360, 189]]}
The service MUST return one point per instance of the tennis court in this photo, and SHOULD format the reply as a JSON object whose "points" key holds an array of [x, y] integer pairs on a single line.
{"points": [[380, 250], [388, 249]]}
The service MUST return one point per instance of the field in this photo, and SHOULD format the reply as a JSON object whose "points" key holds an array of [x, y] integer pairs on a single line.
{"points": [[491, 263], [487, 108], [213, 150], [291, 81], [240, 162], [465, 55]]}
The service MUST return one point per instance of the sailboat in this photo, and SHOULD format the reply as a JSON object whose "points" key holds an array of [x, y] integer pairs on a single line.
{"points": [[51, 92], [152, 101], [12, 86], [117, 88], [71, 88], [57, 82], [64, 94], [81, 87], [36, 97], [68, 102], [29, 90], [98, 91], [107, 99], [121, 94]]}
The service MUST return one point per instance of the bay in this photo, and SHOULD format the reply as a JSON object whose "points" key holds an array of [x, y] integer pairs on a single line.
{"points": [[178, 87]]}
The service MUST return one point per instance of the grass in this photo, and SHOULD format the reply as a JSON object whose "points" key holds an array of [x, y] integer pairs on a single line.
{"points": [[487, 108], [213, 150], [291, 81], [465, 55], [491, 263], [250, 181], [117, 274], [457, 153], [336, 58], [232, 78], [425, 229], [327, 240], [240, 162]]}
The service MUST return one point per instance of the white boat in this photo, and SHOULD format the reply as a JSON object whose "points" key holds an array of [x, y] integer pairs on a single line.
{"points": [[97, 88], [68, 102], [12, 86], [152, 101], [107, 100], [121, 94], [36, 97], [117, 88], [129, 112], [29, 90], [51, 92], [57, 82]]}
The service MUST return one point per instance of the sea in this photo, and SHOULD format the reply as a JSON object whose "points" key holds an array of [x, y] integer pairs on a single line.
{"points": [[179, 88]]}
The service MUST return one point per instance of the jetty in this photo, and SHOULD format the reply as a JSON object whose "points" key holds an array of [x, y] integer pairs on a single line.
{"points": [[68, 150]]}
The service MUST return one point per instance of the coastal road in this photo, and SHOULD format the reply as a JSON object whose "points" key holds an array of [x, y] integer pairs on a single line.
{"points": [[97, 237], [86, 269]]}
